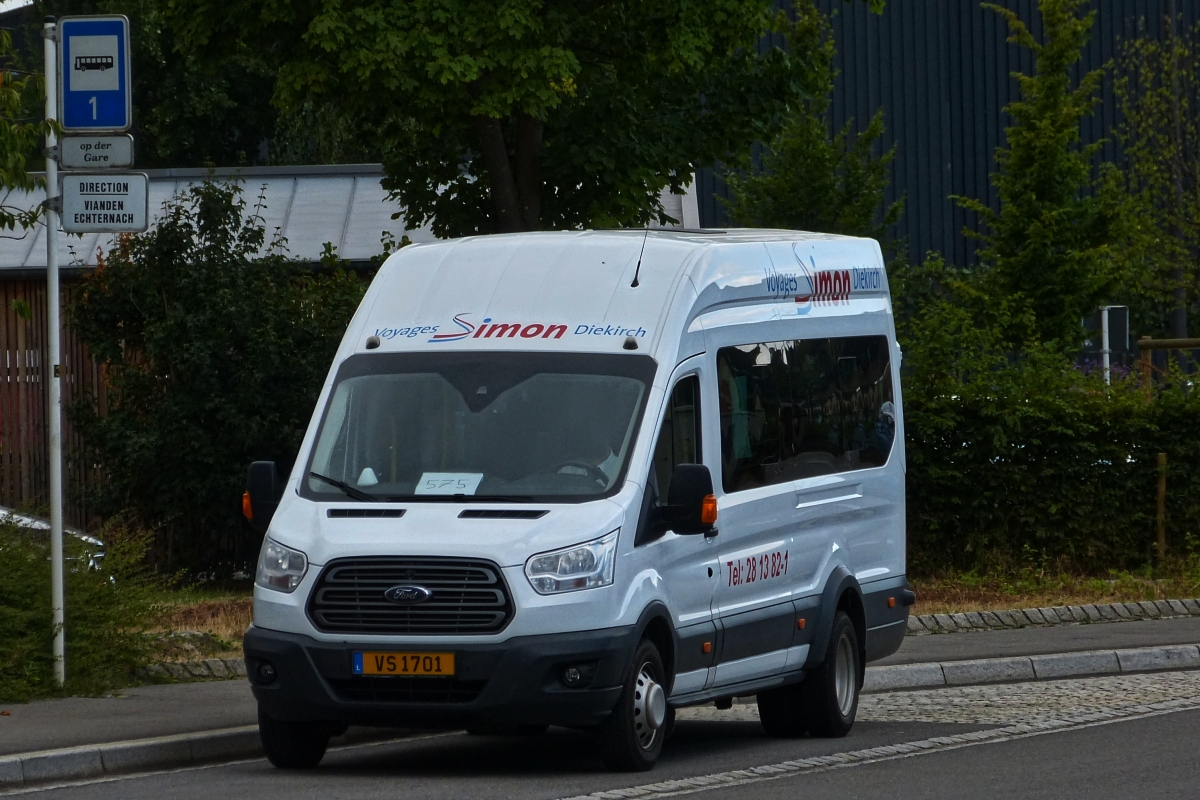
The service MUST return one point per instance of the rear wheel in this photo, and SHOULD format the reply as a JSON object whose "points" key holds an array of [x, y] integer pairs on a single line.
{"points": [[829, 694], [632, 736], [293, 745]]}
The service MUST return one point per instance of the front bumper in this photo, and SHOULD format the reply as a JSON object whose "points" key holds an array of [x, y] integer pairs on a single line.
{"points": [[515, 682]]}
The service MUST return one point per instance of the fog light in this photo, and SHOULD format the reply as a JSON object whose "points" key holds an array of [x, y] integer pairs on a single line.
{"points": [[266, 671], [571, 676]]}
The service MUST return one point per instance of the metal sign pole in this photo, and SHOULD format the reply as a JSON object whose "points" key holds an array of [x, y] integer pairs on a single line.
{"points": [[54, 412], [1105, 349]]}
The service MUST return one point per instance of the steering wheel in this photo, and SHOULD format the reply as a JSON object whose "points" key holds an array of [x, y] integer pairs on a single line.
{"points": [[591, 469]]}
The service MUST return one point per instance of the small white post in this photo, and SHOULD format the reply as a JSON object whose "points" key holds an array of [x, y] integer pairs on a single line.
{"points": [[54, 413], [1104, 348]]}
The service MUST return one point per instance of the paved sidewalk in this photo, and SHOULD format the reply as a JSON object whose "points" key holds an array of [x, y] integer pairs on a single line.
{"points": [[1041, 641], [136, 713]]}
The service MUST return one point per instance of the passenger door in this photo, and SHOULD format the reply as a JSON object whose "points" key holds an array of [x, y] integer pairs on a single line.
{"points": [[861, 502], [687, 564], [760, 564]]}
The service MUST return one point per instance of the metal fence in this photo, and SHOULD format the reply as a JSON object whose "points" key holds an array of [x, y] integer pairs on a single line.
{"points": [[24, 475], [941, 70]]}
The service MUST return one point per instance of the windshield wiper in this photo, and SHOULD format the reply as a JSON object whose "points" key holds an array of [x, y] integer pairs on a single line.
{"points": [[357, 494]]}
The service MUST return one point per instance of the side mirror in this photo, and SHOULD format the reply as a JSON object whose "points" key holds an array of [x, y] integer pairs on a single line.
{"points": [[691, 505], [263, 490]]}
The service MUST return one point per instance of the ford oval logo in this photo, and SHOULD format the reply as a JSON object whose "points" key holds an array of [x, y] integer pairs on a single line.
{"points": [[407, 595]]}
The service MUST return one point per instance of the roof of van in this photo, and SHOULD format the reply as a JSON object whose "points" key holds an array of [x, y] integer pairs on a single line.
{"points": [[590, 290]]}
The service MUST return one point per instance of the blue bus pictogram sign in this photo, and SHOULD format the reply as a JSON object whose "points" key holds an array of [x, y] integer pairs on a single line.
{"points": [[93, 74]]}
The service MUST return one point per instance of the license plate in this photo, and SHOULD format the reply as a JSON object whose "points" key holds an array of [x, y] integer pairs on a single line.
{"points": [[404, 663]]}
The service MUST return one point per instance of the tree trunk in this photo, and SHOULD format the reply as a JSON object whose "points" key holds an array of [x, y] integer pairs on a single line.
{"points": [[516, 181], [528, 169], [505, 201]]}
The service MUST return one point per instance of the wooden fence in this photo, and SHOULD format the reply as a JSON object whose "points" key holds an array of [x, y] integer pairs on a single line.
{"points": [[24, 474]]}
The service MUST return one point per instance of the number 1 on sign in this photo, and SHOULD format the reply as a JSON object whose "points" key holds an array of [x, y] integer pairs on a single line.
{"points": [[92, 100]]}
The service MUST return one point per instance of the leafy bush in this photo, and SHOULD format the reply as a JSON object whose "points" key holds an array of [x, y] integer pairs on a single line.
{"points": [[107, 608], [1024, 458], [214, 356]]}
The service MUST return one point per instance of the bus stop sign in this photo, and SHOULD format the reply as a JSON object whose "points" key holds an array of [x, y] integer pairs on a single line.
{"points": [[94, 81]]}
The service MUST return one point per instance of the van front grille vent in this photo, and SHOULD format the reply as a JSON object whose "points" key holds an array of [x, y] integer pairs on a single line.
{"points": [[501, 513], [453, 596], [365, 512]]}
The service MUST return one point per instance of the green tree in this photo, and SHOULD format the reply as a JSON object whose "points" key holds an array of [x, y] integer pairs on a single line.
{"points": [[20, 132], [812, 180], [1158, 92], [527, 114], [215, 353], [1048, 245]]}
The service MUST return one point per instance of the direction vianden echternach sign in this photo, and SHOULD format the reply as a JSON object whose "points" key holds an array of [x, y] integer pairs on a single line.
{"points": [[104, 202]]}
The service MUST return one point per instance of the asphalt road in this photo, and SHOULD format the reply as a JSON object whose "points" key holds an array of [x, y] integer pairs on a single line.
{"points": [[1120, 737]]}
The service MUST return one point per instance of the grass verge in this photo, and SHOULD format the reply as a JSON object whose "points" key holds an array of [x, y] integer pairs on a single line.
{"points": [[1031, 587]]}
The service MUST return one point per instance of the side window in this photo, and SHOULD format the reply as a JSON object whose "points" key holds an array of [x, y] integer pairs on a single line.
{"points": [[797, 409], [679, 439]]}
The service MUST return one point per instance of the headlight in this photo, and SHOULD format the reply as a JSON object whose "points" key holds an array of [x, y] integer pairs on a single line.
{"points": [[582, 566], [280, 568]]}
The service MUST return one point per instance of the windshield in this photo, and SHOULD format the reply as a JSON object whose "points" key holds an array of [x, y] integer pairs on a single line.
{"points": [[463, 426]]}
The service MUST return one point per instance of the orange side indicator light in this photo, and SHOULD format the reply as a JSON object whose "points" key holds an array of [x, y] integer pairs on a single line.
{"points": [[800, 623], [247, 510], [706, 647], [708, 510], [891, 602]]}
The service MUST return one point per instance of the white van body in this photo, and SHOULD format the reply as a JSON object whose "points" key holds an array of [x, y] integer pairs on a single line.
{"points": [[807, 470]]}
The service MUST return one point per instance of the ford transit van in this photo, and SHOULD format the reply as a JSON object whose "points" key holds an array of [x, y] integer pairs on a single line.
{"points": [[585, 479]]}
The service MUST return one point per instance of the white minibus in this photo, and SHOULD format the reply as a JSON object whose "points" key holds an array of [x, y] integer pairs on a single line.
{"points": [[585, 479]]}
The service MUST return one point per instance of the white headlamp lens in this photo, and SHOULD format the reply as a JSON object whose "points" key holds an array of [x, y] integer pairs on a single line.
{"points": [[280, 568], [582, 566]]}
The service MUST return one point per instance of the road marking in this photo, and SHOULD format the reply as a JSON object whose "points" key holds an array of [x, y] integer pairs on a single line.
{"points": [[767, 772], [874, 755], [195, 767]]}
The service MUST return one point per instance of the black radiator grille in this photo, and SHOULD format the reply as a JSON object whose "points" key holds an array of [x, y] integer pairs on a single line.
{"points": [[466, 596]]}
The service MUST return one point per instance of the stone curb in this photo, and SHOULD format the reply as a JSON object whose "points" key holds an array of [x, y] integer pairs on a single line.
{"points": [[95, 761], [162, 752], [209, 668], [1031, 668], [1058, 615]]}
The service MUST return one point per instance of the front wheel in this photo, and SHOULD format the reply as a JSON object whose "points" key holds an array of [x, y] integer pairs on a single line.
{"points": [[829, 694], [293, 745], [632, 737]]}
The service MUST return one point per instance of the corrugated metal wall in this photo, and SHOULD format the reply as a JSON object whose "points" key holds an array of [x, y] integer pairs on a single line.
{"points": [[941, 71]]}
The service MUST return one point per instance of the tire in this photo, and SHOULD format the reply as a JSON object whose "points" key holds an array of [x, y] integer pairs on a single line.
{"points": [[780, 712], [293, 745], [829, 694], [630, 739]]}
